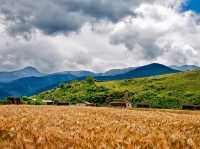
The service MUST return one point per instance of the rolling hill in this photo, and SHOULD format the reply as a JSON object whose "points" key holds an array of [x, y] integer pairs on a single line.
{"points": [[166, 91]]}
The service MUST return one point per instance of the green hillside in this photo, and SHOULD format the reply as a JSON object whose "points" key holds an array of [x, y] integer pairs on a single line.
{"points": [[167, 91], [79, 92]]}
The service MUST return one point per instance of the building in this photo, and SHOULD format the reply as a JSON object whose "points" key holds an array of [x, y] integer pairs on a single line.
{"points": [[48, 102], [15, 100], [62, 103], [119, 104], [90, 104], [190, 107]]}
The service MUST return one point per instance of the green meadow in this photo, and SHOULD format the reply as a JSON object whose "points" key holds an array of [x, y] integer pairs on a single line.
{"points": [[166, 91]]}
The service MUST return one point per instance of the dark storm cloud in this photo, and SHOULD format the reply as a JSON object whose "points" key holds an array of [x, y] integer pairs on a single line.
{"points": [[54, 16]]}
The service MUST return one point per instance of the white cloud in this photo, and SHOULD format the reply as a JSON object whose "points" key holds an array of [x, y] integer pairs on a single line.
{"points": [[157, 32], [160, 33]]}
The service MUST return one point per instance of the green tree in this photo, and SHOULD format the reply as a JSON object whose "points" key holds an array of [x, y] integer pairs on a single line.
{"points": [[90, 80]]}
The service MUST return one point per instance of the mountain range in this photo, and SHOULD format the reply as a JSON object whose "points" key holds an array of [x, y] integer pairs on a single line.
{"points": [[114, 72], [18, 74], [32, 85], [185, 67], [143, 71], [82, 73], [30, 81]]}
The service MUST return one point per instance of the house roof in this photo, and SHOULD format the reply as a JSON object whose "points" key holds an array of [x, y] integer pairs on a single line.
{"points": [[47, 101]]}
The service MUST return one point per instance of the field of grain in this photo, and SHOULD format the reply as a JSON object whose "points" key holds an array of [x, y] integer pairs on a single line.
{"points": [[51, 127]]}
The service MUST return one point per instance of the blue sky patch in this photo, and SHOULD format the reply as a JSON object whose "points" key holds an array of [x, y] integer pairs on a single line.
{"points": [[193, 5]]}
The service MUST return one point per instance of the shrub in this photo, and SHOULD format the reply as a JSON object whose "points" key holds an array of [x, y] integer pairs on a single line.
{"points": [[90, 80], [25, 98], [4, 102]]}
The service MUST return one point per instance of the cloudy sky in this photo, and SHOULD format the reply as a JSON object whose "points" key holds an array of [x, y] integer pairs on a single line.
{"points": [[58, 35]]}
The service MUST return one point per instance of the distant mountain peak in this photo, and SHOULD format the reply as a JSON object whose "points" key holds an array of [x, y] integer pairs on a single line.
{"points": [[18, 74], [29, 68], [153, 69], [155, 64], [80, 73]]}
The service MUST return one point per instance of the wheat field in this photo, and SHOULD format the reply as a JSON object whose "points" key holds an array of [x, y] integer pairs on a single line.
{"points": [[51, 127]]}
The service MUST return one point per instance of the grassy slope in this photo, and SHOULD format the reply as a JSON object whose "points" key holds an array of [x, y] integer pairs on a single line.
{"points": [[77, 92], [167, 91]]}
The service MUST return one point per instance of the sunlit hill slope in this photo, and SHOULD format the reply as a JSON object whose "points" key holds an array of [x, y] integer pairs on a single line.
{"points": [[166, 91]]}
